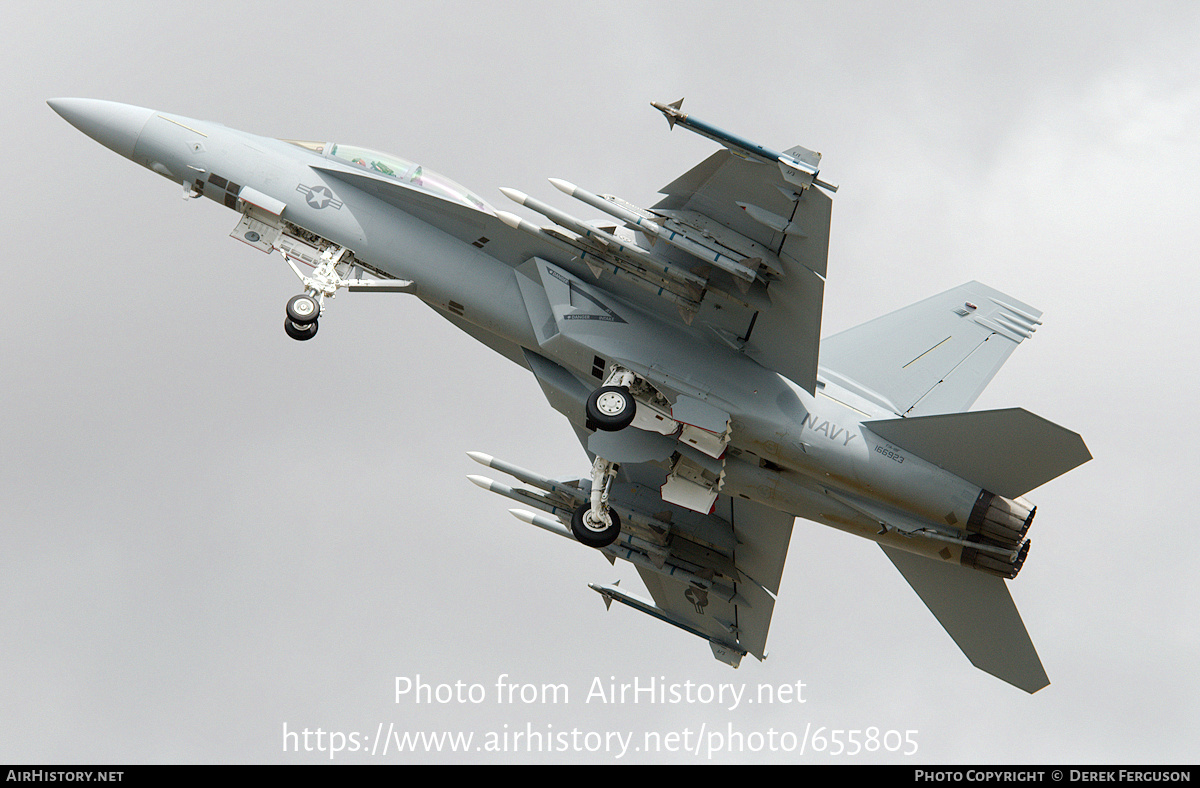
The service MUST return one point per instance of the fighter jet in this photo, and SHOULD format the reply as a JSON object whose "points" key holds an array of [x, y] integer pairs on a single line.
{"points": [[682, 343]]}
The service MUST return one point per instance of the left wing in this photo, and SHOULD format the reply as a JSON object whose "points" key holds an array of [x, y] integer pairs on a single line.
{"points": [[736, 250], [735, 198]]}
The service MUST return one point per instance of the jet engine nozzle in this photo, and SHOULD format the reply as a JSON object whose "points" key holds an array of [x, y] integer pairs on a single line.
{"points": [[995, 565], [999, 520]]}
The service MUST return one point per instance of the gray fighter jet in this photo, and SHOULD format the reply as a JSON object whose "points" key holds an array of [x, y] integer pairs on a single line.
{"points": [[681, 341]]}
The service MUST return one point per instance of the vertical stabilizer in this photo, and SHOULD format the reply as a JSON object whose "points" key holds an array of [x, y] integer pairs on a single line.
{"points": [[934, 356]]}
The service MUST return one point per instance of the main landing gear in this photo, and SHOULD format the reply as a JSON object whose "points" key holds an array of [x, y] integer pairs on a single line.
{"points": [[610, 408], [595, 524]]}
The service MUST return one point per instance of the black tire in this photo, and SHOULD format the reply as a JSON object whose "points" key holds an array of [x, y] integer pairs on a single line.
{"points": [[303, 309], [299, 333], [611, 408], [590, 537]]}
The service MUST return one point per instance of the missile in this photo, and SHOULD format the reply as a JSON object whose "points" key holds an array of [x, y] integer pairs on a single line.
{"points": [[646, 221], [529, 477], [648, 522], [648, 555], [612, 593], [553, 526], [663, 286], [520, 496], [609, 242], [798, 165]]}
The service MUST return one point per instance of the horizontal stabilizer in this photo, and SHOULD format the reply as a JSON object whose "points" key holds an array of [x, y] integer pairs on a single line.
{"points": [[1008, 452], [978, 613]]}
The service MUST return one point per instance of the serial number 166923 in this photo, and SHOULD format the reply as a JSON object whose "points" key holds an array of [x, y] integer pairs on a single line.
{"points": [[890, 452]]}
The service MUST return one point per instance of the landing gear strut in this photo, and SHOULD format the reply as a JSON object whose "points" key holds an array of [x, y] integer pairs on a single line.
{"points": [[334, 267]]}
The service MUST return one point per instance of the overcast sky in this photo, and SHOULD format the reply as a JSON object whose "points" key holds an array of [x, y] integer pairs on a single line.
{"points": [[210, 532]]}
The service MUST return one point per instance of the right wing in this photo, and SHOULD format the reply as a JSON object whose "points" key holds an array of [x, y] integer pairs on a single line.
{"points": [[749, 564], [714, 575], [754, 539]]}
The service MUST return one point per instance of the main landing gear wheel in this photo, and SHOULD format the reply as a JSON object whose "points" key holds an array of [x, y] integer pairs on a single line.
{"points": [[611, 408], [303, 309], [591, 533], [301, 332]]}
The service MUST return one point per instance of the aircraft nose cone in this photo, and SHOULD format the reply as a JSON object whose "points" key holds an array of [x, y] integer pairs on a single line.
{"points": [[115, 126]]}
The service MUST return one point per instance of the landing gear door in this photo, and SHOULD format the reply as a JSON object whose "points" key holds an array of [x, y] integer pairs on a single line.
{"points": [[260, 225], [257, 231]]}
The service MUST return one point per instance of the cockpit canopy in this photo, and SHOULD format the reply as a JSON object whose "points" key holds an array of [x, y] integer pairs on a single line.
{"points": [[398, 169]]}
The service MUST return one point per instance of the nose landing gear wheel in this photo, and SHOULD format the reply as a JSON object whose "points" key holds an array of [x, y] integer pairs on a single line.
{"points": [[611, 408], [591, 533], [302, 313], [303, 309], [301, 332]]}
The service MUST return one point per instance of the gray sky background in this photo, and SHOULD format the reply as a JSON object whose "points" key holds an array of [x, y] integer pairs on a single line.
{"points": [[209, 531]]}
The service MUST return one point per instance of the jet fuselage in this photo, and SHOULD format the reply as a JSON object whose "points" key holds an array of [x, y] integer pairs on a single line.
{"points": [[788, 449]]}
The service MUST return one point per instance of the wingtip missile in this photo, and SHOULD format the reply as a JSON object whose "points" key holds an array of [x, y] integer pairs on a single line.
{"points": [[725, 651], [601, 591], [799, 166], [670, 111]]}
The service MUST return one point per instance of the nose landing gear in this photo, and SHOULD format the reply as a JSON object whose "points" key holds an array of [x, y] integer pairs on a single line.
{"points": [[328, 276], [331, 267], [302, 313]]}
